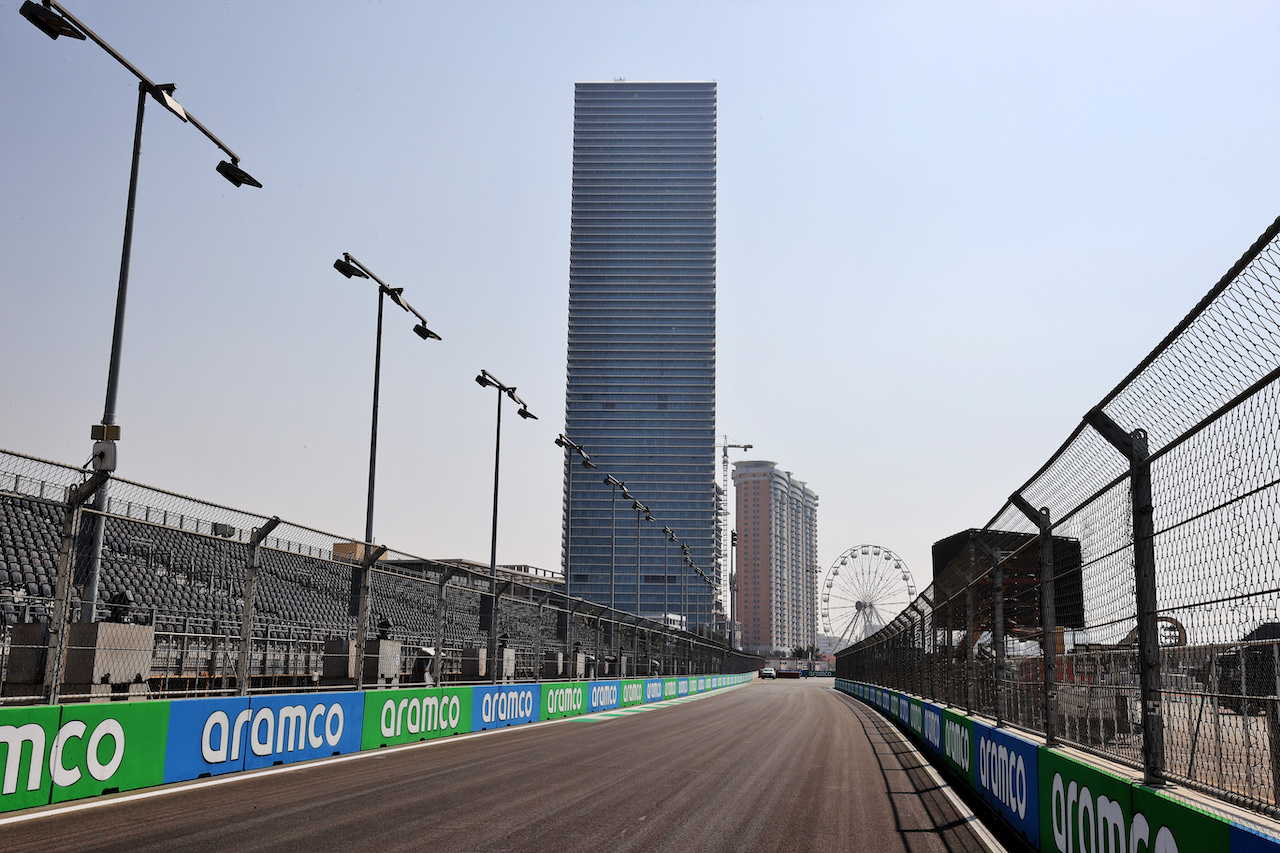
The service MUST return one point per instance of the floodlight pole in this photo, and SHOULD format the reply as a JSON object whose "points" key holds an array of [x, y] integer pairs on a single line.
{"points": [[54, 20], [373, 429], [614, 484], [637, 511], [666, 581], [485, 379], [569, 449], [349, 267], [89, 599]]}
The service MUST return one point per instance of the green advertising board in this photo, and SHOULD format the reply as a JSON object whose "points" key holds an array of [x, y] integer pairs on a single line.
{"points": [[632, 692], [1083, 808], [1188, 827], [957, 744], [565, 700], [103, 748], [394, 717], [26, 736], [917, 718]]}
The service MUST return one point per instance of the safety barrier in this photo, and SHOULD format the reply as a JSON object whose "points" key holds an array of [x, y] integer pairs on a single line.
{"points": [[1053, 801], [54, 753]]}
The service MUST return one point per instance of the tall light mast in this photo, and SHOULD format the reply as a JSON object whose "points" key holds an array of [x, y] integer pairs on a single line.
{"points": [[722, 521]]}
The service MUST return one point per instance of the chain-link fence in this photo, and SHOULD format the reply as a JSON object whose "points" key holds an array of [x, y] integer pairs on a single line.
{"points": [[1126, 599], [195, 599]]}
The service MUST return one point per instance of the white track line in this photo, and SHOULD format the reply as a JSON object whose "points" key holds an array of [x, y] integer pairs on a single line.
{"points": [[38, 812]]}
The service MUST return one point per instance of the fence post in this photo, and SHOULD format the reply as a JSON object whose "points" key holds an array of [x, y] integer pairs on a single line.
{"points": [[246, 618], [951, 653], [997, 625], [537, 641], [1048, 616], [55, 657], [1273, 723], [362, 617], [1133, 446], [442, 614], [916, 652], [971, 636], [570, 657], [599, 643], [931, 660]]}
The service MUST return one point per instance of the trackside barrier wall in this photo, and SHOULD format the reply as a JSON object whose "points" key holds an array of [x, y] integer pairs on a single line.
{"points": [[1056, 803], [54, 753]]}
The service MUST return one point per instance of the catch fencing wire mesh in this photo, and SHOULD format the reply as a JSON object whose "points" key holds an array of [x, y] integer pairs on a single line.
{"points": [[169, 620], [1208, 401]]}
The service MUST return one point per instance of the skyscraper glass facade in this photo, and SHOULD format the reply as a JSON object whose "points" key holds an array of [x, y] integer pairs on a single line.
{"points": [[641, 374]]}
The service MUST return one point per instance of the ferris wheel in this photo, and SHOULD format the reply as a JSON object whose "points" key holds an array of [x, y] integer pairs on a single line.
{"points": [[865, 588]]}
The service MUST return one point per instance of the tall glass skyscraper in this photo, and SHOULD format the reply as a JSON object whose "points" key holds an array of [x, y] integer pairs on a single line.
{"points": [[642, 346]]}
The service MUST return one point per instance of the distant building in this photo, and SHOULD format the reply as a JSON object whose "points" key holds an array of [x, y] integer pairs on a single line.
{"points": [[641, 377], [1021, 563], [777, 567]]}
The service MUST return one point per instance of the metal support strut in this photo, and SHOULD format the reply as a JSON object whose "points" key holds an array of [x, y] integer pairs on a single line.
{"points": [[1048, 616], [246, 619], [1133, 446]]}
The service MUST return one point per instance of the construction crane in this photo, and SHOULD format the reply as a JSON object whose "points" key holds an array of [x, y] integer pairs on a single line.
{"points": [[722, 519]]}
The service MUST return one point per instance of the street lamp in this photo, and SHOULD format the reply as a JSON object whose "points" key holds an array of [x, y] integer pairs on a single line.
{"points": [[570, 447], [733, 591], [642, 511], [666, 580], [352, 268], [485, 379], [616, 484], [684, 583], [53, 20]]}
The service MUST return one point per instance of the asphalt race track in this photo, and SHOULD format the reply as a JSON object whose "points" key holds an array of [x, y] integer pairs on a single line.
{"points": [[785, 765]]}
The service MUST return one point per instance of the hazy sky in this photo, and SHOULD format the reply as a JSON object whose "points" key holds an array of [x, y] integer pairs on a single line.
{"points": [[945, 231]]}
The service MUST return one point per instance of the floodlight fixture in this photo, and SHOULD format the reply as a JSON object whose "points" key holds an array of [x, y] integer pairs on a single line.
{"points": [[348, 269], [426, 334], [163, 93], [237, 176], [50, 22]]}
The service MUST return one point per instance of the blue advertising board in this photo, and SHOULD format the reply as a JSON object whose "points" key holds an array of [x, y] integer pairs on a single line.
{"points": [[495, 707], [302, 726], [902, 709], [1006, 773], [207, 737], [931, 727], [605, 695]]}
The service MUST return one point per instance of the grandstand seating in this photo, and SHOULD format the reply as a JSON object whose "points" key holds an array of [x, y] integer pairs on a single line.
{"points": [[190, 587]]}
